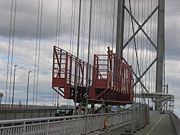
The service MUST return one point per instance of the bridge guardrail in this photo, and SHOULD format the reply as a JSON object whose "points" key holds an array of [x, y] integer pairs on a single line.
{"points": [[26, 113], [73, 125], [2, 106], [68, 125], [176, 122]]}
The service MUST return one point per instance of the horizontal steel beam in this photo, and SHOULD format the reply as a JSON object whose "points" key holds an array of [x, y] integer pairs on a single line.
{"points": [[110, 102], [153, 95]]}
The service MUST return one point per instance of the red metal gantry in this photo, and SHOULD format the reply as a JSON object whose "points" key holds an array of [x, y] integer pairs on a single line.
{"points": [[112, 79], [64, 74]]}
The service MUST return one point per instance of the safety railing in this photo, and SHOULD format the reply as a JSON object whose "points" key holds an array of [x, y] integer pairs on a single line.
{"points": [[69, 72], [65, 65], [176, 122], [112, 78], [76, 125], [2, 106], [72, 125]]}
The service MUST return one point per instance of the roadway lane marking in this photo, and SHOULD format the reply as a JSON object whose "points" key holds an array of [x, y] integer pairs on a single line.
{"points": [[154, 125]]}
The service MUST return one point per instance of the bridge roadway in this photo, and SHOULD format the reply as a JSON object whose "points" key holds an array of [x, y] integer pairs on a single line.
{"points": [[160, 124]]}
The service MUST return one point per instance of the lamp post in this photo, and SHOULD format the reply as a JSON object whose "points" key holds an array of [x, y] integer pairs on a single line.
{"points": [[14, 84], [28, 88]]}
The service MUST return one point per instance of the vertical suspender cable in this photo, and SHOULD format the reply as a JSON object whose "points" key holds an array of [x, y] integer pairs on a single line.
{"points": [[57, 21], [146, 50], [88, 64], [9, 48], [59, 28], [57, 32], [128, 34], [38, 56], [146, 45], [99, 26], [133, 48], [109, 17], [12, 47], [56, 41], [73, 23], [155, 35], [39, 49], [94, 33], [113, 25], [151, 51], [71, 32], [88, 61], [133, 29], [36, 51], [95, 13], [95, 27], [105, 26], [83, 30], [77, 59], [149, 56], [141, 44]]}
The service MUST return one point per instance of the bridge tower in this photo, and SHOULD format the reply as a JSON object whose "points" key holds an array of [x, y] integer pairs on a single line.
{"points": [[159, 45], [160, 49]]}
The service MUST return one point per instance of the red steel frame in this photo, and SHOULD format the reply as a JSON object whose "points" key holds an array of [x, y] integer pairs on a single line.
{"points": [[64, 74], [112, 79]]}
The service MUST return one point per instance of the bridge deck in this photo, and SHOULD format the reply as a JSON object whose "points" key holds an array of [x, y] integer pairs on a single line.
{"points": [[160, 124]]}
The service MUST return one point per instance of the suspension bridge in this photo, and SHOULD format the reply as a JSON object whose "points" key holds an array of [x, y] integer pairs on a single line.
{"points": [[101, 65]]}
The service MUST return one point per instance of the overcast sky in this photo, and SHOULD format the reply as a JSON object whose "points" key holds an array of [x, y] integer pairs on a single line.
{"points": [[25, 34]]}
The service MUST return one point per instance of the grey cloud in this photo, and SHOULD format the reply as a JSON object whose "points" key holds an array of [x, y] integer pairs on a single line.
{"points": [[172, 29], [172, 7], [172, 41], [27, 18]]}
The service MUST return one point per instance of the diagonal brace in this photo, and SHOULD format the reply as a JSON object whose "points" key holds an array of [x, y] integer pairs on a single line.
{"points": [[147, 69], [137, 78], [153, 44], [140, 28]]}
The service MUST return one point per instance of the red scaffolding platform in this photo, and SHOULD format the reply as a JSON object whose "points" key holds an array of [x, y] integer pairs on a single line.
{"points": [[65, 74], [111, 80]]}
